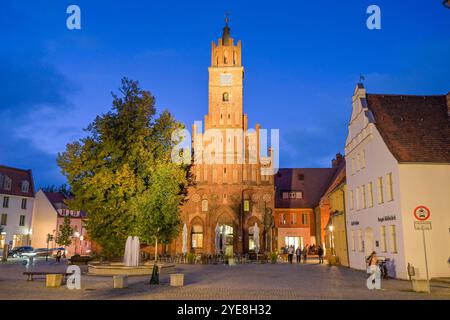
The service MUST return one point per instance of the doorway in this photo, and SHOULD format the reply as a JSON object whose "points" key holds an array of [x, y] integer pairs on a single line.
{"points": [[227, 238], [369, 241], [293, 241]]}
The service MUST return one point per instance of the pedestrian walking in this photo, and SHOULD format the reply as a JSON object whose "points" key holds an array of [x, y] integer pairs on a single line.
{"points": [[305, 253], [320, 254], [58, 256], [290, 254], [298, 254]]}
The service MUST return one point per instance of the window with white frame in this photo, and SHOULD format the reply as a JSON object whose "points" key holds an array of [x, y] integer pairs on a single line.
{"points": [[383, 238], [305, 218], [380, 190], [363, 195], [360, 241], [393, 238], [24, 186], [370, 191], [390, 192]]}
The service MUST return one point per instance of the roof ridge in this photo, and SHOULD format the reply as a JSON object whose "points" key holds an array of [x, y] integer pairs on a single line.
{"points": [[14, 168]]}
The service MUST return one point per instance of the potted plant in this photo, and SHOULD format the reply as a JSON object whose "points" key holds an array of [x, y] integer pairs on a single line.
{"points": [[273, 257]]}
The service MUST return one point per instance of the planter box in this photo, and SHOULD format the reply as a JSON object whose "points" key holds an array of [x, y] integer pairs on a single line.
{"points": [[120, 282], [177, 280], [53, 280]]}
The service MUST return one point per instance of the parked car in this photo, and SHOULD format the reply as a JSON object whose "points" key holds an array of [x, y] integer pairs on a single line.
{"points": [[24, 251]]}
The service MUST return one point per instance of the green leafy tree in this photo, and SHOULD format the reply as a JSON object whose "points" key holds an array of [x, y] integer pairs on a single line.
{"points": [[65, 233], [111, 170]]}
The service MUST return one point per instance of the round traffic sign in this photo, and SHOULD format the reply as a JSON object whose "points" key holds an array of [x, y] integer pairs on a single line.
{"points": [[422, 213]]}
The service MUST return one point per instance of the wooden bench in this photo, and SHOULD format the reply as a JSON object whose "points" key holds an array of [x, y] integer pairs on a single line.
{"points": [[33, 273]]}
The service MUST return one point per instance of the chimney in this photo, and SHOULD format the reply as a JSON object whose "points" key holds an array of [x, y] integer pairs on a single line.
{"points": [[337, 161]]}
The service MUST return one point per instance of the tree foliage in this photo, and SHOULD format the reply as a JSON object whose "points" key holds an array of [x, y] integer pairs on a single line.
{"points": [[65, 233], [116, 171]]}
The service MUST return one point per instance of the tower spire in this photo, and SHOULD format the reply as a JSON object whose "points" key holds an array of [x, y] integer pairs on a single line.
{"points": [[226, 31]]}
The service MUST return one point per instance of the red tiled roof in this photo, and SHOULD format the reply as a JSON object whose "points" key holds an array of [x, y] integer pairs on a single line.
{"points": [[57, 200], [315, 182], [414, 128], [17, 176]]}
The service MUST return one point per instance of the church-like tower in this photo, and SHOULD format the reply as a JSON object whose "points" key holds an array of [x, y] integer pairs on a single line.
{"points": [[229, 193]]}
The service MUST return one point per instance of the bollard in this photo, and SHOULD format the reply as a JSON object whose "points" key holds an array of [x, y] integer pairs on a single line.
{"points": [[120, 282]]}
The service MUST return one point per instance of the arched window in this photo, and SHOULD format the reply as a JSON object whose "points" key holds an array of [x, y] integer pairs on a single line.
{"points": [[197, 236], [225, 57], [234, 57], [204, 205], [225, 97]]}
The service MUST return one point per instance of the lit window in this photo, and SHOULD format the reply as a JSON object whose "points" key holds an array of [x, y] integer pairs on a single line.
{"points": [[197, 236], [380, 190], [390, 192], [304, 218], [246, 205], [370, 187], [383, 238], [293, 218], [393, 239], [363, 195]]}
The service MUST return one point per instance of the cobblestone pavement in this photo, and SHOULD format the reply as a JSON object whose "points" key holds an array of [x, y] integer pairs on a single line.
{"points": [[219, 282]]}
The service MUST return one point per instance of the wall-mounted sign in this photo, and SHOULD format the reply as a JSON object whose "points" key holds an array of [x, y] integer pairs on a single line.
{"points": [[387, 218], [226, 79], [422, 225], [422, 213], [354, 223]]}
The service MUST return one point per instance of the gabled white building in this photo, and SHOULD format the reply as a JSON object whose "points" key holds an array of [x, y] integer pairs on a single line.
{"points": [[398, 158], [16, 206]]}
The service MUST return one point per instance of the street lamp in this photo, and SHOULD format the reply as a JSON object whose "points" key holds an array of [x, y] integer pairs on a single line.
{"points": [[446, 3]]}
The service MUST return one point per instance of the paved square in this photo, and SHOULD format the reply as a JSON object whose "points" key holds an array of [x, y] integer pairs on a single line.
{"points": [[221, 282]]}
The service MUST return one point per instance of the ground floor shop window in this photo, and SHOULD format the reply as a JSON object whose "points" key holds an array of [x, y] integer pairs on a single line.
{"points": [[293, 241]]}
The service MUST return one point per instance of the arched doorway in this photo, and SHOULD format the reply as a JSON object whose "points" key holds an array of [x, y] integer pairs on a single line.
{"points": [[197, 235], [227, 229], [369, 245]]}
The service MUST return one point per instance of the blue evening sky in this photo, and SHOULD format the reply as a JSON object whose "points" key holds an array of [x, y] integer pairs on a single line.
{"points": [[302, 61]]}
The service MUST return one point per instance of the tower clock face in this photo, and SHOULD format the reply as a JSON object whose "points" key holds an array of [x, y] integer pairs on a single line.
{"points": [[226, 79]]}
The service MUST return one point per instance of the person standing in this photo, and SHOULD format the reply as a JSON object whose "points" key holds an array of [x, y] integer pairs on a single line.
{"points": [[58, 256], [298, 254], [320, 254], [291, 253], [305, 253]]}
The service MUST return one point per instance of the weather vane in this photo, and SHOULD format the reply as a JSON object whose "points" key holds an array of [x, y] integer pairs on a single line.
{"points": [[227, 17], [361, 78]]}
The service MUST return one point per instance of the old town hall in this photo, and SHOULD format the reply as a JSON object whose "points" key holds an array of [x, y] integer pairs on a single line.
{"points": [[233, 192]]}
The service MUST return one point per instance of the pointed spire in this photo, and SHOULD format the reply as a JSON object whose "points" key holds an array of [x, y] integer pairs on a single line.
{"points": [[226, 31]]}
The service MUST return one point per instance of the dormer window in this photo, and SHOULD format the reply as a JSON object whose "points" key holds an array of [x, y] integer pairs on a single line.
{"points": [[25, 186], [226, 97], [7, 183]]}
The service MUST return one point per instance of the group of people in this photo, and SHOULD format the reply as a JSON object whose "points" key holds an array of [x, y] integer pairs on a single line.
{"points": [[299, 253]]}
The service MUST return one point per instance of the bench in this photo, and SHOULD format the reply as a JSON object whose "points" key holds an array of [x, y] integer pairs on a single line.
{"points": [[33, 273]]}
